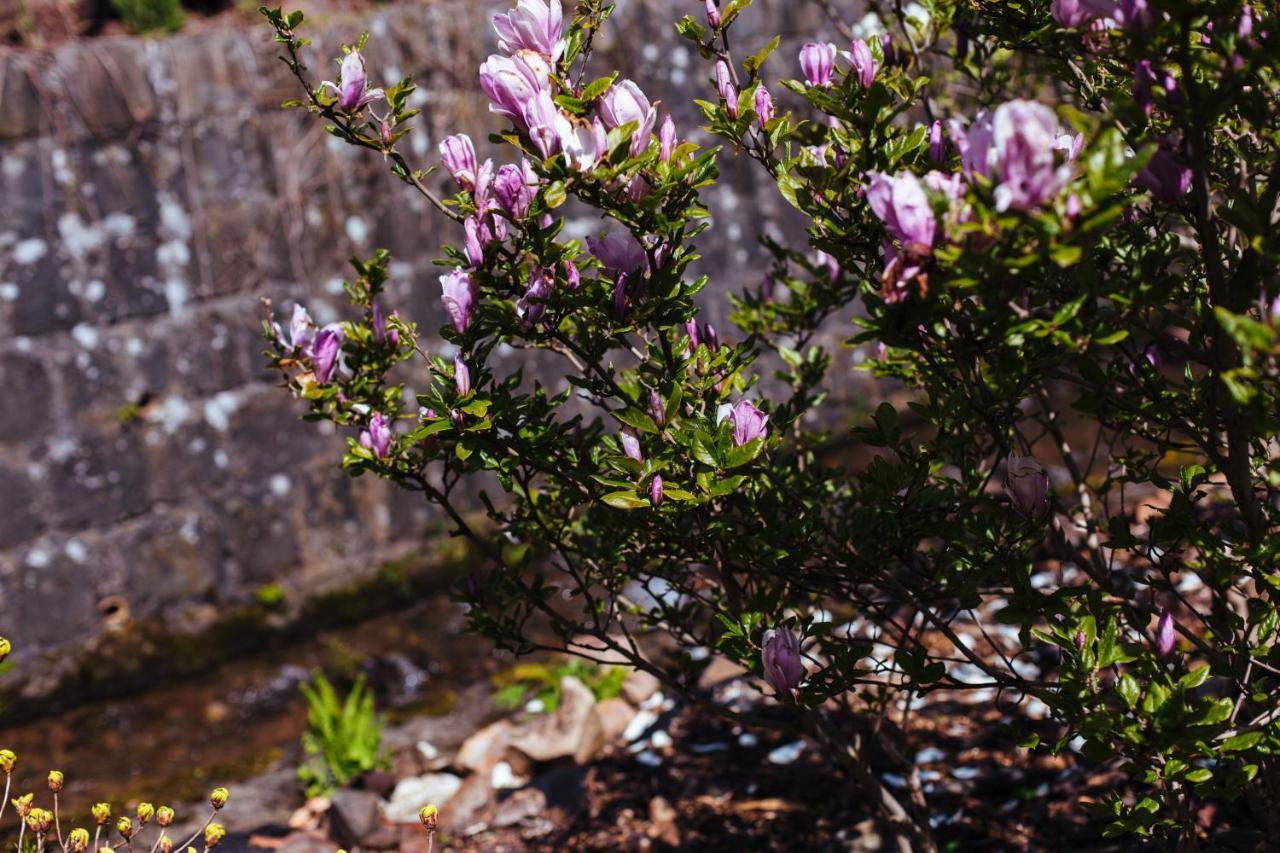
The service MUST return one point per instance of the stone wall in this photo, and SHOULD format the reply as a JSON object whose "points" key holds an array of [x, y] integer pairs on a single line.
{"points": [[153, 193]]}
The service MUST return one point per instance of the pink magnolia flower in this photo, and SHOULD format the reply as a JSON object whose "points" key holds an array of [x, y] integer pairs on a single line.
{"points": [[302, 330], [657, 410], [818, 61], [899, 201], [713, 14], [378, 436], [381, 333], [749, 423], [458, 292], [353, 89], [459, 157], [726, 89], [764, 106], [1018, 146], [1028, 485], [625, 103], [780, 656], [618, 252], [863, 64], [534, 25], [511, 84]]}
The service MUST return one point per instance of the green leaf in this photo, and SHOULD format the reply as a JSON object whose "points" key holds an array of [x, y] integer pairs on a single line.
{"points": [[624, 500]]}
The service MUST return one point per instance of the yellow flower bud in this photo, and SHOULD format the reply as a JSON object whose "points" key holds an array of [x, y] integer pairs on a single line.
{"points": [[146, 811], [56, 779], [101, 813], [166, 844], [7, 760], [78, 841], [39, 821], [124, 826], [428, 815], [23, 804], [213, 834], [219, 797], [164, 816], [5, 648]]}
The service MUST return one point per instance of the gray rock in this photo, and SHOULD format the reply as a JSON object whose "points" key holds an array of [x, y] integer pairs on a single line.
{"points": [[354, 816], [415, 792]]}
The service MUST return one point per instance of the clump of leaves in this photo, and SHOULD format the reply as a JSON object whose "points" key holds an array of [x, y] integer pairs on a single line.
{"points": [[540, 682], [343, 737], [148, 16]]}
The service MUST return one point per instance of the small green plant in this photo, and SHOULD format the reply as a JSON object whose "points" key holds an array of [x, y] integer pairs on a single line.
{"points": [[145, 16], [541, 682], [343, 737], [269, 595]]}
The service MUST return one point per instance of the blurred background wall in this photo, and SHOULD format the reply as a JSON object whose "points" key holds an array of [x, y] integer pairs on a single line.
{"points": [[151, 473]]}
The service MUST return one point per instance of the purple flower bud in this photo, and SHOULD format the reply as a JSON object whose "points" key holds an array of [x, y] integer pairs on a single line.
{"points": [[325, 353], [459, 157], [713, 14], [1074, 206], [515, 187], [630, 443], [1166, 634], [1166, 176], [766, 288], [818, 61], [937, 145], [624, 104], [863, 64], [353, 91], [572, 277], [780, 655], [620, 297], [764, 106], [666, 139], [381, 333], [655, 490], [899, 201], [726, 89], [461, 376], [1080, 641], [458, 293], [657, 410], [1245, 28], [749, 423], [378, 436], [533, 304], [534, 25], [691, 329], [1071, 13], [709, 337], [1144, 77], [473, 243], [1027, 485]]}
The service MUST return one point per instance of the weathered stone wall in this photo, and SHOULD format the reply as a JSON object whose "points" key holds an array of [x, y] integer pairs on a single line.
{"points": [[153, 193]]}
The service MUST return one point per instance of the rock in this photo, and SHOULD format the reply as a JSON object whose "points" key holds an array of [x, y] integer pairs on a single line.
{"points": [[415, 792], [385, 838], [468, 806], [662, 822], [308, 815], [484, 749], [379, 782], [522, 805], [353, 816], [574, 730], [504, 777], [305, 842], [615, 715], [639, 686]]}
